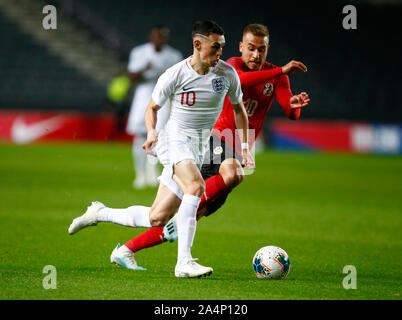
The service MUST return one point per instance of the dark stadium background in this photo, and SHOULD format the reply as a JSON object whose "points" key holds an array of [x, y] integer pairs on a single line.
{"points": [[352, 74]]}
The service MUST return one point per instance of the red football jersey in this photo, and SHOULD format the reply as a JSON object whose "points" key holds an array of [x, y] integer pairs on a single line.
{"points": [[257, 98]]}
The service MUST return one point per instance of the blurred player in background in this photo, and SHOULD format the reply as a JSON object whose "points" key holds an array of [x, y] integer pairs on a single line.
{"points": [[146, 63], [261, 81], [196, 88]]}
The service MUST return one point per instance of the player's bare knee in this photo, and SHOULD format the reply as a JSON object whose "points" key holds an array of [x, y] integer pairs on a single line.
{"points": [[158, 222], [199, 188], [154, 220], [233, 180], [232, 174], [237, 178], [196, 188], [158, 219]]}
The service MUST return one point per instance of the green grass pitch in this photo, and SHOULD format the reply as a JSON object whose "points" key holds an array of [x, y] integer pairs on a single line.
{"points": [[326, 211]]}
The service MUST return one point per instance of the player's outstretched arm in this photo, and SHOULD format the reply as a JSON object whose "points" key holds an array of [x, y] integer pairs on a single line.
{"points": [[150, 123], [254, 78], [299, 100], [293, 66], [241, 120], [291, 104]]}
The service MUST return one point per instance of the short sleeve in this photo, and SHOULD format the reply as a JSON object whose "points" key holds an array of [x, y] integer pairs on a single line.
{"points": [[136, 62], [235, 94], [164, 88]]}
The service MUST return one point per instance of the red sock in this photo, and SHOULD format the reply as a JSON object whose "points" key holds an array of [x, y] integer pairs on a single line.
{"points": [[149, 238], [214, 187]]}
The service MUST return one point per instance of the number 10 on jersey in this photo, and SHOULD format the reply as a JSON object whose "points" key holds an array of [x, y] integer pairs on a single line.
{"points": [[188, 98]]}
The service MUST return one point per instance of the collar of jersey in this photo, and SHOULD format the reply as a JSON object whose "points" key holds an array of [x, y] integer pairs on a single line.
{"points": [[191, 68]]}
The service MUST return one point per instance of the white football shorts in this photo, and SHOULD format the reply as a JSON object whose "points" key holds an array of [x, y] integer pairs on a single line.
{"points": [[172, 148]]}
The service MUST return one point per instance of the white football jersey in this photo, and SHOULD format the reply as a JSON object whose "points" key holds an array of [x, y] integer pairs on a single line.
{"points": [[196, 100], [140, 57]]}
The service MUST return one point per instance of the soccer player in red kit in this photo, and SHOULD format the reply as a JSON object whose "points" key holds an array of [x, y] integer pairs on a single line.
{"points": [[261, 81]]}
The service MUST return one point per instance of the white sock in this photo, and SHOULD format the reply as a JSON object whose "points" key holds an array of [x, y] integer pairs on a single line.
{"points": [[134, 216], [186, 225], [151, 170], [139, 157]]}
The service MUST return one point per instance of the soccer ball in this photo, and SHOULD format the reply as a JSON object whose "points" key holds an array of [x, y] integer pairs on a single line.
{"points": [[271, 262]]}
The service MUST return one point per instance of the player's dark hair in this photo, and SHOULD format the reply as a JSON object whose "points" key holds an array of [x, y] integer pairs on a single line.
{"points": [[206, 28], [257, 29], [162, 29]]}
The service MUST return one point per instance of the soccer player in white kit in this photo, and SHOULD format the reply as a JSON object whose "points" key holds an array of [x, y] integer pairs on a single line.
{"points": [[146, 63], [195, 88]]}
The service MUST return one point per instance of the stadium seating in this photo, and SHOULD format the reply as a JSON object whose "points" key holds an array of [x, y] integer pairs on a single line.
{"points": [[32, 77], [348, 74], [342, 78]]}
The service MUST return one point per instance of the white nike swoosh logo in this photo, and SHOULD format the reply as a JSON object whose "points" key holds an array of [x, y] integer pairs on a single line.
{"points": [[22, 133]]}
